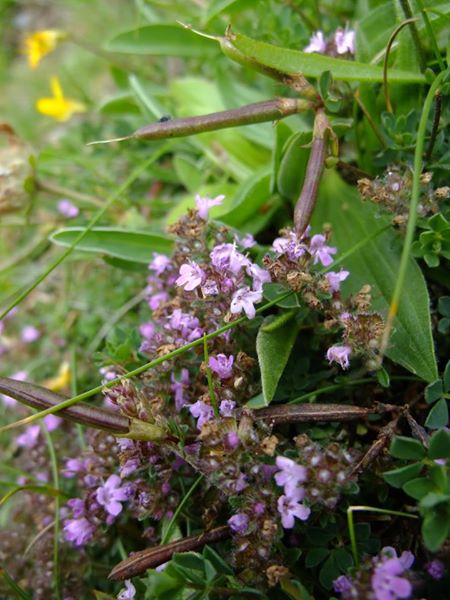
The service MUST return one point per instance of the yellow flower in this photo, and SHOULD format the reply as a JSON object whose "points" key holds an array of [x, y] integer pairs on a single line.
{"points": [[39, 44], [58, 107], [61, 380]]}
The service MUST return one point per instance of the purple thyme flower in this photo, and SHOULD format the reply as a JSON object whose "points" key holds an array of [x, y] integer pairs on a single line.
{"points": [[67, 209], [320, 251], [386, 583], [78, 531], [290, 474], [291, 245], [232, 440], [248, 241], [210, 288], [159, 263], [52, 422], [155, 300], [345, 41], [185, 324], [222, 365], [435, 568], [335, 279], [259, 276], [74, 466], [289, 507], [204, 204], [243, 300], [201, 411], [147, 330], [111, 494], [30, 334], [191, 276], [238, 523], [29, 438], [339, 354], [226, 408], [128, 593], [342, 584], [317, 43], [226, 258]]}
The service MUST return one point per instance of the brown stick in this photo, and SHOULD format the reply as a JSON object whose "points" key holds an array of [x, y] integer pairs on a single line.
{"points": [[41, 398], [316, 162], [150, 558], [316, 413]]}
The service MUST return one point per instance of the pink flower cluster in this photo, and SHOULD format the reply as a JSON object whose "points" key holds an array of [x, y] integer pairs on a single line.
{"points": [[341, 42], [289, 476], [389, 578]]}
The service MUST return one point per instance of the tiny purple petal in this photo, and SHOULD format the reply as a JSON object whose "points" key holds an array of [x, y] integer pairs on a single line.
{"points": [[204, 204], [30, 334], [222, 365], [243, 300], [238, 523], [317, 43], [339, 354], [191, 276], [67, 209]]}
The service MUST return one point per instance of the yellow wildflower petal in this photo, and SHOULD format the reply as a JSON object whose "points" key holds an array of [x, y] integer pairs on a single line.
{"points": [[39, 44], [61, 380], [58, 107], [56, 88]]}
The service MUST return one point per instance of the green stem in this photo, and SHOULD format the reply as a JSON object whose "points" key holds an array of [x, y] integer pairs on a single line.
{"points": [[386, 58], [431, 35], [55, 476], [108, 202], [170, 526], [412, 217], [212, 395], [351, 525], [415, 34]]}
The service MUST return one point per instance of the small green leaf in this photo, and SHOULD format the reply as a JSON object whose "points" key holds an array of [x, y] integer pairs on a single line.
{"points": [[398, 477], [254, 53], [315, 556], [293, 163], [407, 448], [383, 377], [446, 377], [418, 488], [324, 83], [273, 349], [439, 445], [125, 244], [438, 415], [444, 306], [162, 40], [433, 391], [435, 529]]}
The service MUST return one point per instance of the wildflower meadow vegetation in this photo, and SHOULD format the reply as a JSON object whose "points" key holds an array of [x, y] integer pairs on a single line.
{"points": [[224, 299]]}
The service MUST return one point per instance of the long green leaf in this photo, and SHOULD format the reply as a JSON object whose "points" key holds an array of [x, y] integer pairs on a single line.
{"points": [[162, 40], [134, 246], [274, 347], [377, 264], [311, 65]]}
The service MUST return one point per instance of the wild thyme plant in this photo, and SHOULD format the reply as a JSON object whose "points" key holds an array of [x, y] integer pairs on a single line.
{"points": [[265, 412]]}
